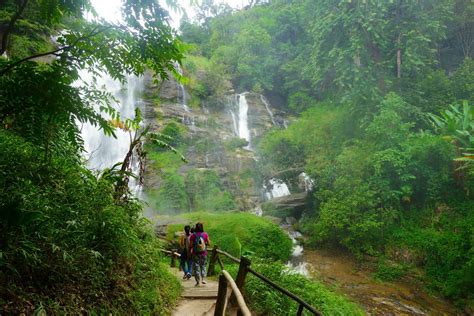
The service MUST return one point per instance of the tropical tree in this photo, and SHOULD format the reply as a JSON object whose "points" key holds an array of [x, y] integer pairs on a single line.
{"points": [[40, 101], [457, 123]]}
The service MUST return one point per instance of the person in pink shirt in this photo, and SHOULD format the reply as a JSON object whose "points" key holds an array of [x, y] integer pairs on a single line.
{"points": [[199, 243]]}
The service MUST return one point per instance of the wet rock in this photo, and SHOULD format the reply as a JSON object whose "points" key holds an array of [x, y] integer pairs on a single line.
{"points": [[259, 118], [210, 130], [168, 90], [290, 220], [291, 201]]}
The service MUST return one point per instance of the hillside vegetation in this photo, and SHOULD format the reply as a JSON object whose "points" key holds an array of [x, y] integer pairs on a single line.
{"points": [[382, 98]]}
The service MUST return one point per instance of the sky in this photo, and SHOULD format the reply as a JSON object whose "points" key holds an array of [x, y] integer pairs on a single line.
{"points": [[110, 9]]}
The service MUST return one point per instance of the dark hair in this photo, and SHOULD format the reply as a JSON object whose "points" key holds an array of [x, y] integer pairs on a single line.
{"points": [[187, 228], [199, 228], [193, 230]]}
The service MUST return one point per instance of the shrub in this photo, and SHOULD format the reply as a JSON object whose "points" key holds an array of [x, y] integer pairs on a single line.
{"points": [[175, 132], [67, 246], [235, 143], [239, 233]]}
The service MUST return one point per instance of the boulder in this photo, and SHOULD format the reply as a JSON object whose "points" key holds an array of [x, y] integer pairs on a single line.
{"points": [[291, 201]]}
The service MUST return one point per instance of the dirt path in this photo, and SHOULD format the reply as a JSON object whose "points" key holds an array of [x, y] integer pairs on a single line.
{"points": [[196, 301]]}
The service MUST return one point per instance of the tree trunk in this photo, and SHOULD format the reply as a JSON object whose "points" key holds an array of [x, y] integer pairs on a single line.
{"points": [[399, 58], [5, 31]]}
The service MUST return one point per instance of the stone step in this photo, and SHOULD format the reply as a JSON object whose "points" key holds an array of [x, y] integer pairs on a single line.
{"points": [[200, 295], [200, 292]]}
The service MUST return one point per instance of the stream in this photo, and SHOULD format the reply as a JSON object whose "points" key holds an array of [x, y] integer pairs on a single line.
{"points": [[348, 276]]}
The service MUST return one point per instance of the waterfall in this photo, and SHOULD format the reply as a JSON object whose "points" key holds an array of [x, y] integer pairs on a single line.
{"points": [[306, 182], [235, 125], [244, 131], [241, 129], [238, 110], [188, 118], [267, 106], [278, 189], [296, 262], [182, 96], [103, 151]]}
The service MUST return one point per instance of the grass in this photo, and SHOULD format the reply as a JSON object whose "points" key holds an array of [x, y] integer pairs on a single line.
{"points": [[241, 234]]}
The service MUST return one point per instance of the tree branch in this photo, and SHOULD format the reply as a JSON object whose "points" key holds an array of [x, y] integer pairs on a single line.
{"points": [[278, 173], [93, 33], [10, 26]]}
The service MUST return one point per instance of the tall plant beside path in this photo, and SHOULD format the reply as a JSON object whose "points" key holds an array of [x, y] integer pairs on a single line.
{"points": [[67, 244], [457, 123], [143, 41], [138, 135]]}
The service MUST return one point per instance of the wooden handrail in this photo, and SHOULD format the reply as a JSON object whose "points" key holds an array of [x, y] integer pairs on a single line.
{"points": [[238, 295], [225, 279], [302, 304], [228, 255], [220, 262], [285, 291], [171, 252]]}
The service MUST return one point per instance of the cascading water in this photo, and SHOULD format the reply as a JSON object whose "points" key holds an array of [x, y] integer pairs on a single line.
{"points": [[307, 184], [296, 262], [239, 113], [188, 118], [267, 107], [235, 125], [278, 189], [104, 151], [243, 125]]}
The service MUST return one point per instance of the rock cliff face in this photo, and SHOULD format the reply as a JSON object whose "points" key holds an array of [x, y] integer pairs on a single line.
{"points": [[211, 146]]}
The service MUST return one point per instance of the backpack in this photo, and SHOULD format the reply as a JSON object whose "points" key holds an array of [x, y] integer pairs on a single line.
{"points": [[199, 243], [186, 244]]}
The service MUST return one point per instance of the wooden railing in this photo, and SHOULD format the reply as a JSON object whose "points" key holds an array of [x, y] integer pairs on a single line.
{"points": [[225, 280], [244, 268], [173, 254], [237, 287]]}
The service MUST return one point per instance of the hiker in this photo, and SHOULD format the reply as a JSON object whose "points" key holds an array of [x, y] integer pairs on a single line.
{"points": [[199, 243], [186, 256], [193, 230]]}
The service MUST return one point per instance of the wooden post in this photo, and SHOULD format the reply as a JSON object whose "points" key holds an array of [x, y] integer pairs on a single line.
{"points": [[240, 279], [243, 266], [212, 262], [221, 297], [173, 258], [300, 310]]}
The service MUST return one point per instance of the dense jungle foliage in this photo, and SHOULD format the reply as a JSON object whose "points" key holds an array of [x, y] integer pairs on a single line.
{"points": [[72, 241], [381, 94], [380, 100]]}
